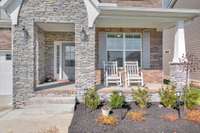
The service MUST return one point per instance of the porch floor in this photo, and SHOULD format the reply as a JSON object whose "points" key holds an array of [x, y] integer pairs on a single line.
{"points": [[152, 88], [60, 88], [64, 89]]}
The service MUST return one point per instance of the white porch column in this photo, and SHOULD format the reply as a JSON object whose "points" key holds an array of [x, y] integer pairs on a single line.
{"points": [[177, 73], [179, 42]]}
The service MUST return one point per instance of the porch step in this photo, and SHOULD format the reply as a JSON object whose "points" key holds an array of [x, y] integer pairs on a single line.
{"points": [[51, 108], [51, 104], [51, 100]]}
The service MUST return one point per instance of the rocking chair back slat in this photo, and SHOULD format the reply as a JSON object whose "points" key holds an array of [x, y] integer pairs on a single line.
{"points": [[132, 68], [111, 69], [133, 75], [111, 74]]}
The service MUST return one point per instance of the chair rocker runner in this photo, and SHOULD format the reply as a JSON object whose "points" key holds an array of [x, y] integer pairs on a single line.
{"points": [[111, 74], [133, 75]]}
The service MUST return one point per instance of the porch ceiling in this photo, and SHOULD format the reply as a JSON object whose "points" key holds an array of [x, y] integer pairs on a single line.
{"points": [[57, 27], [134, 17]]}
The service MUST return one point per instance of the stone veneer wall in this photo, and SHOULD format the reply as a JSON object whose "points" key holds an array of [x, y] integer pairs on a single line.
{"points": [[24, 47]]}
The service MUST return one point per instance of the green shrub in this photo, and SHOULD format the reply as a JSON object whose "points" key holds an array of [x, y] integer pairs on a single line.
{"points": [[141, 96], [168, 96], [191, 98], [92, 100], [116, 100]]}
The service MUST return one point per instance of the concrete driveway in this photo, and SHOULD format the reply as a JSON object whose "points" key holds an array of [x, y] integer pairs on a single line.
{"points": [[32, 120]]}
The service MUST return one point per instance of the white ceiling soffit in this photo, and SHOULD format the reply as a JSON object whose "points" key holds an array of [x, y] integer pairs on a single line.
{"points": [[143, 17], [57, 27]]}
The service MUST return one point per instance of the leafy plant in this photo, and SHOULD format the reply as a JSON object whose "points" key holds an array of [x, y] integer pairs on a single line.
{"points": [[92, 99], [116, 100], [107, 120], [136, 116], [168, 96], [141, 96], [191, 98]]}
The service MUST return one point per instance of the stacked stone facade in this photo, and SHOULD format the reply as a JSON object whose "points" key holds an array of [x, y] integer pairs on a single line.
{"points": [[24, 46]]}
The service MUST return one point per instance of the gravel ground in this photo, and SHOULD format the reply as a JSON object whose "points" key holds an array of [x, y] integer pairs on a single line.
{"points": [[84, 121]]}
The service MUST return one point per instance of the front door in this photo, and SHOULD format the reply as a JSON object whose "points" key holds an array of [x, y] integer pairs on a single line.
{"points": [[64, 61], [68, 61]]}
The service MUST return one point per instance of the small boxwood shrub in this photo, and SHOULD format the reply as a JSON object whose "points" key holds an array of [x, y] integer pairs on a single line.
{"points": [[141, 96], [92, 99], [191, 98], [168, 96], [116, 100]]}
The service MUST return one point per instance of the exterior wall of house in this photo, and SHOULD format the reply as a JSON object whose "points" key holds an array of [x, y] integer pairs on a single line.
{"points": [[24, 46], [138, 3], [192, 36], [5, 39], [152, 71]]}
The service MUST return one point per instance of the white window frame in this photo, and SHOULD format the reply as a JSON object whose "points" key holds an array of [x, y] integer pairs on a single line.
{"points": [[124, 45]]}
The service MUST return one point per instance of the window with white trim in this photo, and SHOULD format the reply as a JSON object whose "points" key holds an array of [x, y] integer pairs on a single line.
{"points": [[123, 47]]}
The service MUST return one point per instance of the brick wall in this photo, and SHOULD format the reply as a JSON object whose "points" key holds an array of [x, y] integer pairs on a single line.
{"points": [[5, 39], [138, 3], [154, 74]]}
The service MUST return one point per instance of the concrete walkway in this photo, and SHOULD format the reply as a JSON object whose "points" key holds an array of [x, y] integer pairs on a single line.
{"points": [[34, 121]]}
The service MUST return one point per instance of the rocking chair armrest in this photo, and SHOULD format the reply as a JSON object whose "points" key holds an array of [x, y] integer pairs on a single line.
{"points": [[120, 74], [141, 74]]}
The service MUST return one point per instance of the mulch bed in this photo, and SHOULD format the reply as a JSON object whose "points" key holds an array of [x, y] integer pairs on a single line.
{"points": [[84, 121]]}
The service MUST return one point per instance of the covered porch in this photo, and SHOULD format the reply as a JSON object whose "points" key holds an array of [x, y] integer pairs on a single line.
{"points": [[141, 29]]}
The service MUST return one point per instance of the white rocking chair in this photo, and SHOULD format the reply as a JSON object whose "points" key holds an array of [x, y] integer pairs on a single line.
{"points": [[133, 75], [111, 74]]}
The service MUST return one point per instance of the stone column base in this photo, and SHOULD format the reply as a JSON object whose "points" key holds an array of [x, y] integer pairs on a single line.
{"points": [[80, 95], [178, 75]]}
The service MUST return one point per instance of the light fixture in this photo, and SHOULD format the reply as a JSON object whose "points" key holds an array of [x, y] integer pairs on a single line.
{"points": [[84, 36], [26, 34]]}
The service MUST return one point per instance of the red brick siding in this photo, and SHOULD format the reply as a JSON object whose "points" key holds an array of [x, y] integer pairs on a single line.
{"points": [[152, 76], [5, 39]]}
